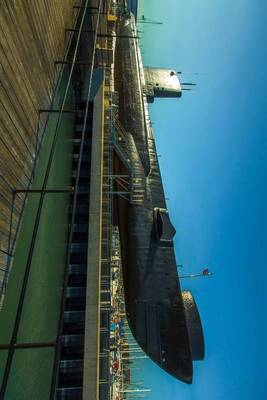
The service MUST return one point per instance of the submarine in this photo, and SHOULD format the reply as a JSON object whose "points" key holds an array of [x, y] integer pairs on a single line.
{"points": [[163, 319]]}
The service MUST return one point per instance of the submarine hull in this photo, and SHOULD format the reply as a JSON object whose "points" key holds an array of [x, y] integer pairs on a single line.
{"points": [[154, 301]]}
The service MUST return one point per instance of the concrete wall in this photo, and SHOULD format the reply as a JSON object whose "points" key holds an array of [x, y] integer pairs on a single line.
{"points": [[32, 37]]}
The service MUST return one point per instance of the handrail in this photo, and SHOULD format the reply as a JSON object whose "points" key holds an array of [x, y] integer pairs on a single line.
{"points": [[63, 298], [37, 152], [36, 224]]}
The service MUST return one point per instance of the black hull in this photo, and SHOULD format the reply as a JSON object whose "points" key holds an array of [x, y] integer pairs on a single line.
{"points": [[154, 302]]}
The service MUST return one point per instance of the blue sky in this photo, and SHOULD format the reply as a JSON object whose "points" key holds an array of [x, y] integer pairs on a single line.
{"points": [[213, 146]]}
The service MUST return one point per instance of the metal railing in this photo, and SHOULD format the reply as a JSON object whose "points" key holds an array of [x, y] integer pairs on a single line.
{"points": [[63, 299], [12, 238], [13, 342]]}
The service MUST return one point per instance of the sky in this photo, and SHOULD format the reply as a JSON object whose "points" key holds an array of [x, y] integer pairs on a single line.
{"points": [[213, 147]]}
